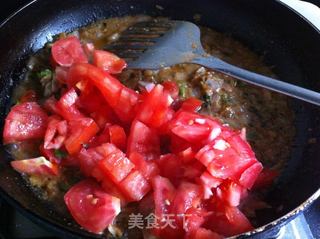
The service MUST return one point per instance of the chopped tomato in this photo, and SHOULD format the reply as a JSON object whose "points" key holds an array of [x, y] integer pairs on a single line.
{"points": [[81, 131], [88, 160], [108, 61], [92, 102], [91, 207], [24, 121], [227, 221], [112, 189], [135, 186], [187, 155], [191, 104], [148, 169], [229, 158], [67, 105], [170, 167], [116, 166], [265, 178], [110, 87], [230, 192], [164, 196], [250, 175], [126, 108], [193, 170], [172, 88], [135, 145], [55, 133], [188, 195], [35, 166], [194, 128], [143, 140], [178, 144], [194, 219], [118, 136], [68, 51], [101, 138], [155, 107], [49, 154], [209, 182]]}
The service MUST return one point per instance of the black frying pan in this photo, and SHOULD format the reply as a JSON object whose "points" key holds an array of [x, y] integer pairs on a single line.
{"points": [[287, 41]]}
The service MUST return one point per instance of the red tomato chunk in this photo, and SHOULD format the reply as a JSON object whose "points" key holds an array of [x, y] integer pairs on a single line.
{"points": [[149, 147]]}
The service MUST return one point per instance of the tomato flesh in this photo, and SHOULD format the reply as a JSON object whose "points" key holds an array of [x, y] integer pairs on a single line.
{"points": [[81, 131], [108, 61], [25, 121], [143, 140], [148, 169], [135, 186], [68, 51], [35, 166], [56, 133], [91, 206]]}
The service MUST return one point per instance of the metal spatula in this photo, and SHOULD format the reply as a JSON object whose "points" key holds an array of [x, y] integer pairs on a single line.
{"points": [[160, 43]]}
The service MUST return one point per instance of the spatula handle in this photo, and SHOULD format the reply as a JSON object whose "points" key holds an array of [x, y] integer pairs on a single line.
{"points": [[260, 80]]}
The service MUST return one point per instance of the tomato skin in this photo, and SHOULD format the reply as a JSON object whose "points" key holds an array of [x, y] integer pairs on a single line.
{"points": [[108, 61], [68, 51], [143, 140], [194, 128], [110, 87], [188, 195], [113, 189], [35, 166], [24, 121], [191, 105], [250, 175], [230, 192], [88, 160], [227, 221], [118, 136], [81, 131], [91, 207], [170, 167], [67, 105], [231, 158], [187, 155], [164, 194], [128, 98], [135, 186], [116, 166], [148, 169], [194, 219], [172, 88], [154, 109], [56, 133]]}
